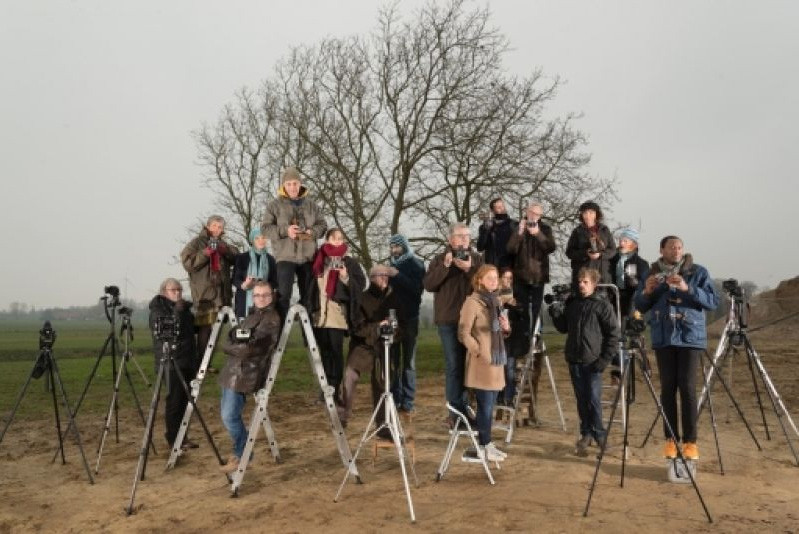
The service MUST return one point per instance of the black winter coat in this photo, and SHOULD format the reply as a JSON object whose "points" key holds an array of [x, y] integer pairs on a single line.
{"points": [[248, 362], [408, 286], [492, 241], [184, 352], [592, 327], [347, 295], [240, 267], [577, 251], [630, 283]]}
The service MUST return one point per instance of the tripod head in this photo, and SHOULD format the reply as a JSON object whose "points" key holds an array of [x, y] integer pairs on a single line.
{"points": [[738, 308], [389, 328], [125, 313], [47, 337], [110, 302]]}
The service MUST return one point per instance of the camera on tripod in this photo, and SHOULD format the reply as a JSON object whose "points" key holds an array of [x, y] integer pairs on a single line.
{"points": [[389, 328], [557, 299], [167, 328], [733, 288], [112, 290], [46, 339]]}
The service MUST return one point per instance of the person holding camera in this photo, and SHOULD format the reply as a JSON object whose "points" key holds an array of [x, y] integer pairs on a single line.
{"points": [[493, 235], [208, 260], [250, 267], [482, 328], [448, 277], [334, 297], [406, 274], [591, 244], [530, 245], [249, 349], [293, 223], [376, 304], [591, 343], [168, 307], [676, 294], [517, 343]]}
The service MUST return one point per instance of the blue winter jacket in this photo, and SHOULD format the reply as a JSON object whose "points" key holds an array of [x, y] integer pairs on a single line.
{"points": [[677, 318]]}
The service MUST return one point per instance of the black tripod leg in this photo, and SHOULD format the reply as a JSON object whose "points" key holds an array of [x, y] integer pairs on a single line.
{"points": [[651, 428], [114, 371], [713, 424], [86, 386], [757, 389], [732, 398], [72, 424], [207, 432], [16, 405], [148, 436], [604, 444], [57, 419], [670, 432], [135, 397]]}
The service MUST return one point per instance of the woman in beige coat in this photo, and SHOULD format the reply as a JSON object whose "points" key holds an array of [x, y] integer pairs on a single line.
{"points": [[482, 328]]}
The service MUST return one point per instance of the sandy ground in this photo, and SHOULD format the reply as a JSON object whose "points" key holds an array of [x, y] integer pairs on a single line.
{"points": [[541, 486]]}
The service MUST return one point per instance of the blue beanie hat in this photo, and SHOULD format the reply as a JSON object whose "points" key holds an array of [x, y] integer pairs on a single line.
{"points": [[255, 232], [401, 240], [629, 233]]}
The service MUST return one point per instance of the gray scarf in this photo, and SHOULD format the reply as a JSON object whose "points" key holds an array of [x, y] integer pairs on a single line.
{"points": [[498, 354]]}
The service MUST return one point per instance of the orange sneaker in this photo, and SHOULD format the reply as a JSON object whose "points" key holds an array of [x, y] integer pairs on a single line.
{"points": [[690, 451], [670, 449]]}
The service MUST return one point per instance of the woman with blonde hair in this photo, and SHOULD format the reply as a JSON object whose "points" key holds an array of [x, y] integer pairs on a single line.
{"points": [[482, 328]]}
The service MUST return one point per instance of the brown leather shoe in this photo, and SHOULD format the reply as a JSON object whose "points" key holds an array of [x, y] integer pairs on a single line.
{"points": [[231, 465]]}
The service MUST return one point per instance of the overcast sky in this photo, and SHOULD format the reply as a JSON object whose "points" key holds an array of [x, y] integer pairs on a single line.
{"points": [[693, 105]]}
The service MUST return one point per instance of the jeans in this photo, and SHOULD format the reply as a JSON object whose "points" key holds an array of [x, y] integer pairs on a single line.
{"points": [[403, 358], [588, 391], [285, 284], [677, 368], [454, 366], [232, 405], [485, 408]]}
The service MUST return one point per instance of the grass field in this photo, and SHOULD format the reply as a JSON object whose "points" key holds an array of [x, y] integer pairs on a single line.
{"points": [[78, 345]]}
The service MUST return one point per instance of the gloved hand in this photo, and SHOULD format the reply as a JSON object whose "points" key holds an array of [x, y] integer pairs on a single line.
{"points": [[598, 365]]}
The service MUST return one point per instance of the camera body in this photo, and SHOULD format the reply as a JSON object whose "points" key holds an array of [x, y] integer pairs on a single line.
{"points": [[241, 335], [47, 336], [167, 328], [733, 288], [389, 329], [461, 254], [532, 224], [112, 290], [560, 292], [213, 243], [335, 262]]}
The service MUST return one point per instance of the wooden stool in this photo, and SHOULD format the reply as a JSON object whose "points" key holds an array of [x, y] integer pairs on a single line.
{"points": [[406, 418]]}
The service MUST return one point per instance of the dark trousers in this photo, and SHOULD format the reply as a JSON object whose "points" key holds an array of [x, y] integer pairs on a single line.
{"points": [[331, 350], [529, 298], [175, 402], [286, 270], [403, 363], [485, 406], [587, 386], [677, 367]]}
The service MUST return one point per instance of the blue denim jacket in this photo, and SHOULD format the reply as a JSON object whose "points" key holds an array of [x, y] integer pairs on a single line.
{"points": [[677, 318]]}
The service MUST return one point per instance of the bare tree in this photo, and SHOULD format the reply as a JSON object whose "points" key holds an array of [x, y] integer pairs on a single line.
{"points": [[412, 127]]}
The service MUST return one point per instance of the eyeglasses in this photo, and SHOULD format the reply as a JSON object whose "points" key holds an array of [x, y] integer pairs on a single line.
{"points": [[262, 295], [462, 236], [175, 289]]}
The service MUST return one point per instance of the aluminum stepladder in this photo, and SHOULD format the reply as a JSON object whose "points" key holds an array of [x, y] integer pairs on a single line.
{"points": [[197, 383], [454, 434], [260, 414], [525, 383]]}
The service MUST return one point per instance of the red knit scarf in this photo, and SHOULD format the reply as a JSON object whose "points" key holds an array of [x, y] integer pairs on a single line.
{"points": [[328, 251]]}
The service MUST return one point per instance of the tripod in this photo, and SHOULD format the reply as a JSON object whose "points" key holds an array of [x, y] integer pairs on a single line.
{"points": [[735, 335], [46, 363], [391, 421], [126, 332], [631, 358], [110, 305], [166, 364]]}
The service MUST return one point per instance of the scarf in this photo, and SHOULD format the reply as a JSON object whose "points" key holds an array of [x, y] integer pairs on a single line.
{"points": [[401, 240], [258, 268], [320, 265], [498, 354], [620, 282], [668, 269]]}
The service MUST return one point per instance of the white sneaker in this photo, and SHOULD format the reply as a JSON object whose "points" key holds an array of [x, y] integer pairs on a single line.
{"points": [[493, 447], [491, 454]]}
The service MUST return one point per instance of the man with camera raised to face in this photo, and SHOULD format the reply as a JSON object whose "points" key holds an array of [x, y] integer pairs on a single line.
{"points": [[530, 246], [493, 235], [449, 277], [168, 307], [249, 348], [676, 294]]}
